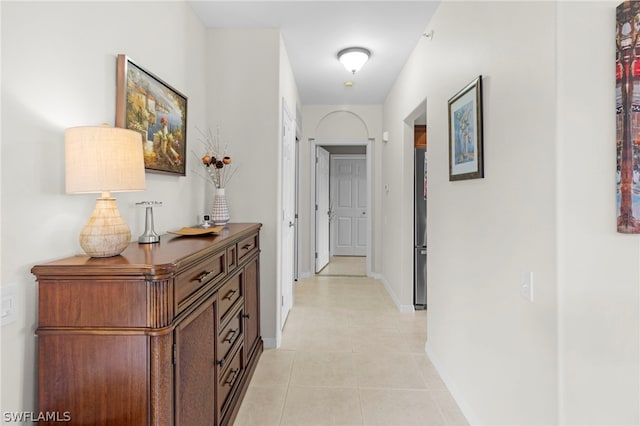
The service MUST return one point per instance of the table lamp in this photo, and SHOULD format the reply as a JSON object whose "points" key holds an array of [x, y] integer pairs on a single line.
{"points": [[104, 160]]}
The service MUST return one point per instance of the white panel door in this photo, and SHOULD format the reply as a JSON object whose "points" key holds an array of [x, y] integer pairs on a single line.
{"points": [[322, 208], [288, 215], [349, 205]]}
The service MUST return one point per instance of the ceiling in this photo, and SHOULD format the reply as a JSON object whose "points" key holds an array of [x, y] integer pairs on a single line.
{"points": [[314, 32]]}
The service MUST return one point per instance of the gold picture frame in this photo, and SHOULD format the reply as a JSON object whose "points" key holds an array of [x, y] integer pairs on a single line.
{"points": [[147, 104]]}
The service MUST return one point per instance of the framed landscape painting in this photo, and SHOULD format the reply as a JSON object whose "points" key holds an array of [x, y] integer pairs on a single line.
{"points": [[627, 116], [148, 105], [465, 133]]}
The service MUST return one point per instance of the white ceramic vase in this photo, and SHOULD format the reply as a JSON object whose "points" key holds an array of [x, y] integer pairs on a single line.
{"points": [[220, 212]]}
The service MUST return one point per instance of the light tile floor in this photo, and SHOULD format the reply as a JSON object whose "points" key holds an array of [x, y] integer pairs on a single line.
{"points": [[345, 266], [348, 357]]}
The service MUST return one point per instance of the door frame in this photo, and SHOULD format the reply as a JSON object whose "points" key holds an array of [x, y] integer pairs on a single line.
{"points": [[320, 218], [368, 143], [288, 122], [296, 230]]}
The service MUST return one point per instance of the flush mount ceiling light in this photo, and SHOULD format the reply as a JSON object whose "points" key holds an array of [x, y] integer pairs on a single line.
{"points": [[353, 58]]}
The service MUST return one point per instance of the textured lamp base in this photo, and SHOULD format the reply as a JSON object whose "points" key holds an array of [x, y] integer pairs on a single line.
{"points": [[106, 233]]}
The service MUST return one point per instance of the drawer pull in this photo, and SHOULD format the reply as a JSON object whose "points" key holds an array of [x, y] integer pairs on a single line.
{"points": [[206, 276], [231, 335], [233, 377], [247, 246], [230, 294]]}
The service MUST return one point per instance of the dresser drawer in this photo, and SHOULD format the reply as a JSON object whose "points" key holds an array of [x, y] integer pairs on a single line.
{"points": [[228, 295], [247, 246], [228, 337], [229, 379], [194, 278]]}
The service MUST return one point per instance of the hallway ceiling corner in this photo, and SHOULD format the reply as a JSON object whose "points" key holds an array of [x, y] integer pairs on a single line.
{"points": [[315, 31]]}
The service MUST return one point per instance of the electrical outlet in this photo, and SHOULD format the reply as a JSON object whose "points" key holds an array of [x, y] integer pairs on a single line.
{"points": [[526, 286]]}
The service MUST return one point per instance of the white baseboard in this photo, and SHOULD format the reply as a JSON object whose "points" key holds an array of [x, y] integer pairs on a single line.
{"points": [[453, 390], [303, 275], [269, 343], [405, 309], [378, 276]]}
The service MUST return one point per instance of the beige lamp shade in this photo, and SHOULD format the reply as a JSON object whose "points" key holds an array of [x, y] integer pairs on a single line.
{"points": [[103, 159]]}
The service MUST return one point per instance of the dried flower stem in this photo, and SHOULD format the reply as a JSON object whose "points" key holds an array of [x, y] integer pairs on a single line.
{"points": [[215, 161]]}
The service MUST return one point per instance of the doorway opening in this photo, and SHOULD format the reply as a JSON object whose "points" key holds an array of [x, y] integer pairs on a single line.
{"points": [[341, 207], [416, 128]]}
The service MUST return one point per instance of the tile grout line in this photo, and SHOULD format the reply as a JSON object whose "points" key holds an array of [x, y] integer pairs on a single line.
{"points": [[317, 310], [286, 396]]}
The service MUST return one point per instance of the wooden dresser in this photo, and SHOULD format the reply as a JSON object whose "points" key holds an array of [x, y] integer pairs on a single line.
{"points": [[164, 334]]}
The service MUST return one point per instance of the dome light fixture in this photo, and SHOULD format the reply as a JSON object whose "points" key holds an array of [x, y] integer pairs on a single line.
{"points": [[353, 58]]}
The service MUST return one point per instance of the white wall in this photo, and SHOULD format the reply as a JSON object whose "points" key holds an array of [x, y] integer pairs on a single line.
{"points": [[496, 350], [245, 94], [337, 122], [58, 71], [546, 205], [599, 277]]}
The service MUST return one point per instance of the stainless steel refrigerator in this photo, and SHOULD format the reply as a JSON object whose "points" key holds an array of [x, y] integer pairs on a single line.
{"points": [[420, 230]]}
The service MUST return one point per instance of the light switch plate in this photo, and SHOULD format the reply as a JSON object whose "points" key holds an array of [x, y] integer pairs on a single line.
{"points": [[526, 286], [9, 305]]}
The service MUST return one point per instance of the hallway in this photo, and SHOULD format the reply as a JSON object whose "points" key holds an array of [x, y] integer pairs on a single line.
{"points": [[348, 357]]}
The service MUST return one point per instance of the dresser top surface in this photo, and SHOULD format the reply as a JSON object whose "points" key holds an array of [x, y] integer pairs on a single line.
{"points": [[170, 252]]}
